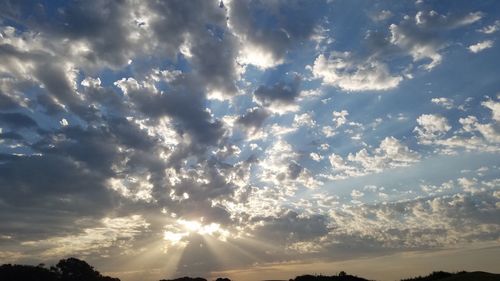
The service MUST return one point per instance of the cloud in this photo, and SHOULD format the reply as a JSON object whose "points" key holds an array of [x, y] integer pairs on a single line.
{"points": [[339, 118], [391, 153], [129, 128], [303, 120], [416, 224], [444, 102], [473, 136], [419, 36], [343, 71], [108, 233], [481, 46], [206, 33], [494, 106], [267, 45], [382, 15], [280, 167], [490, 29], [291, 227], [17, 120], [431, 126], [253, 118], [184, 103], [280, 96]]}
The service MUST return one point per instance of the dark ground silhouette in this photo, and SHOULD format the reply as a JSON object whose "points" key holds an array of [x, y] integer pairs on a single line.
{"points": [[458, 276], [185, 278], [73, 269], [342, 276]]}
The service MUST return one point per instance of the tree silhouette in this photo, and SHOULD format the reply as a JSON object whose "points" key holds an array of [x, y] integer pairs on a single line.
{"points": [[341, 277], [185, 278], [73, 269], [70, 269], [10, 272]]}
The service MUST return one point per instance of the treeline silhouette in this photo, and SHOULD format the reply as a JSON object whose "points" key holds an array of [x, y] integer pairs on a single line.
{"points": [[73, 269], [457, 276], [436, 275], [342, 276]]}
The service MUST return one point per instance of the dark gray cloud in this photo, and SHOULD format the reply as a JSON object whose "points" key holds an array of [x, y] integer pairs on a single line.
{"points": [[42, 195], [290, 227], [294, 170], [281, 93], [11, 136], [201, 27], [261, 24], [89, 21], [185, 103], [253, 118], [17, 120], [6, 102]]}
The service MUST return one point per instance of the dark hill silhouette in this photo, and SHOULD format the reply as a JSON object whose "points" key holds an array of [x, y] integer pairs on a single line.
{"points": [[436, 275], [458, 276], [342, 276], [185, 278], [473, 276]]}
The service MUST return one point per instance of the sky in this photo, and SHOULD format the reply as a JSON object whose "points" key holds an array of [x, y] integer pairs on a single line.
{"points": [[251, 139]]}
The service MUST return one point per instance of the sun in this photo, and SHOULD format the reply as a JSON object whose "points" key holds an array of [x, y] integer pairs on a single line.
{"points": [[191, 226], [178, 233]]}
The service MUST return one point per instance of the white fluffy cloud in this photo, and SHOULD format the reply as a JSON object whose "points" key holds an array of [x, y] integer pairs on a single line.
{"points": [[431, 126], [444, 102], [391, 153], [343, 71], [474, 135], [481, 46], [490, 29], [434, 222], [494, 106]]}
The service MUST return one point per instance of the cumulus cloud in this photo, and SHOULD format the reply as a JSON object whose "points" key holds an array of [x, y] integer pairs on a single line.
{"points": [[184, 103], [473, 135], [417, 224], [267, 46], [419, 35], [490, 29], [304, 119], [253, 118], [343, 71], [391, 153], [280, 96], [444, 102], [494, 106], [431, 126], [481, 46], [280, 166]]}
